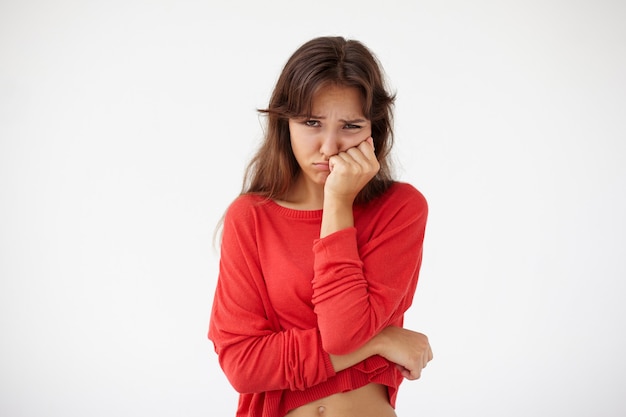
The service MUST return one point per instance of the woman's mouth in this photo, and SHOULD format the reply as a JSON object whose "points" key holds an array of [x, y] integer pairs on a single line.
{"points": [[322, 166]]}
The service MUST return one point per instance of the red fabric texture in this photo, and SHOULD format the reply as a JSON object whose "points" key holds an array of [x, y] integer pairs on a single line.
{"points": [[285, 298]]}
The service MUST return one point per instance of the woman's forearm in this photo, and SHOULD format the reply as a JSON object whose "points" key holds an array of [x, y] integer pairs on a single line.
{"points": [[409, 350], [337, 215], [370, 348]]}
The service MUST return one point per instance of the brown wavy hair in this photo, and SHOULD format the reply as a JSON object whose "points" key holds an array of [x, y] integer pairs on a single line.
{"points": [[318, 63]]}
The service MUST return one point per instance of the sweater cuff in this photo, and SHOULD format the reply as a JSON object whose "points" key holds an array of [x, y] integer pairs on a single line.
{"points": [[341, 244]]}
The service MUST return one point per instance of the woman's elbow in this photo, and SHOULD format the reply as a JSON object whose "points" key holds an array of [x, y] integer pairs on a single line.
{"points": [[243, 384]]}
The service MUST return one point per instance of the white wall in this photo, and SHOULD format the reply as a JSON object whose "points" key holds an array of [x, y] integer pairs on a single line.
{"points": [[124, 130]]}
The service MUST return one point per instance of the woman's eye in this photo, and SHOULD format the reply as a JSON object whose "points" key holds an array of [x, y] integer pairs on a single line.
{"points": [[349, 126], [312, 123]]}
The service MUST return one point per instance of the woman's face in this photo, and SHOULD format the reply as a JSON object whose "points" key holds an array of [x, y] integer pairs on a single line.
{"points": [[337, 123]]}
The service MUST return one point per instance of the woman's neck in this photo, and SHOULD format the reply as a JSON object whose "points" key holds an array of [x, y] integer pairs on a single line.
{"points": [[303, 196]]}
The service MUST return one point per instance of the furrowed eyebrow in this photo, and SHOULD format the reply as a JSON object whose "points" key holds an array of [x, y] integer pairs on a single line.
{"points": [[351, 122], [348, 122]]}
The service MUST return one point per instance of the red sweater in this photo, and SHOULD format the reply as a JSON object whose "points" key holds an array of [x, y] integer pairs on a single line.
{"points": [[285, 298]]}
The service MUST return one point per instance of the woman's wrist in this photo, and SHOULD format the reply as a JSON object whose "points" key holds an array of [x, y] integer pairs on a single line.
{"points": [[337, 215], [380, 343]]}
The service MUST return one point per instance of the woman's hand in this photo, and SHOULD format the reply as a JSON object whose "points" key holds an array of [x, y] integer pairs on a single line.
{"points": [[409, 350], [350, 171]]}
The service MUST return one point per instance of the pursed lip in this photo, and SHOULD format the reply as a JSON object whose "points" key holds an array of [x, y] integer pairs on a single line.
{"points": [[321, 166]]}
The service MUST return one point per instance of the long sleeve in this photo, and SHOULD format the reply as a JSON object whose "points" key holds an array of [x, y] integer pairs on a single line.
{"points": [[254, 352], [365, 280]]}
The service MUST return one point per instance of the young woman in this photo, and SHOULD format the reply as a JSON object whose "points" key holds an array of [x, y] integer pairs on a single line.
{"points": [[321, 252]]}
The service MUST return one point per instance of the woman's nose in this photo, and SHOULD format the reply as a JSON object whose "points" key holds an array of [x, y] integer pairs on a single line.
{"points": [[330, 144]]}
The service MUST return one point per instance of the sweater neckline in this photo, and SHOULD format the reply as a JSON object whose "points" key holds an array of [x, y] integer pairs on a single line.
{"points": [[302, 214], [295, 213]]}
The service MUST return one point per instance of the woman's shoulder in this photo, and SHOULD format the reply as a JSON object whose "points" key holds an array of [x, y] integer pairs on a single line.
{"points": [[403, 193], [243, 205], [402, 202], [401, 205]]}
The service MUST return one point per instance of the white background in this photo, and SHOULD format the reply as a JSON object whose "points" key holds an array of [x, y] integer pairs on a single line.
{"points": [[125, 127]]}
